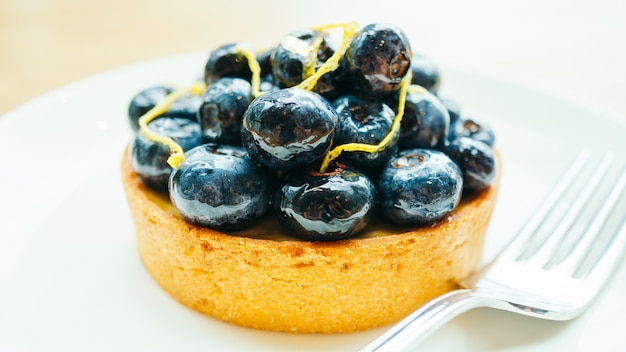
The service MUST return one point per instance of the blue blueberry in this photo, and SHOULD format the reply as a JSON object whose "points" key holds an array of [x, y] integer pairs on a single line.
{"points": [[292, 57], [292, 60], [149, 158], [223, 105], [453, 107], [332, 85], [476, 160], [377, 60], [287, 128], [472, 128], [186, 106], [227, 61], [425, 123], [419, 186], [220, 188], [325, 206], [365, 122], [268, 83], [265, 61], [425, 73]]}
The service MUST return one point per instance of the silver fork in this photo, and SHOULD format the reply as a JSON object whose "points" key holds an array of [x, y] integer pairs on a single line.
{"points": [[552, 269]]}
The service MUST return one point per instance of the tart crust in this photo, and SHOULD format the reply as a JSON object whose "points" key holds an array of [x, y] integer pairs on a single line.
{"points": [[262, 280]]}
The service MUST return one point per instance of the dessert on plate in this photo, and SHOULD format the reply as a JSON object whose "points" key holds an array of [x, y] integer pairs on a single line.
{"points": [[319, 186]]}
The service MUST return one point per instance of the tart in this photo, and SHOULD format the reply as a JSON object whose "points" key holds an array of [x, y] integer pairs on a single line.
{"points": [[327, 257], [263, 279]]}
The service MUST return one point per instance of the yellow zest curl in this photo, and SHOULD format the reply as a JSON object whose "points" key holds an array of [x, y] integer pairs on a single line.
{"points": [[176, 152], [309, 70], [414, 88], [255, 68], [349, 31], [347, 26], [385, 142]]}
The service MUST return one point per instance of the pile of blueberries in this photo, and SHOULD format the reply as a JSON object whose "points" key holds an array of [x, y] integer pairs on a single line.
{"points": [[247, 156]]}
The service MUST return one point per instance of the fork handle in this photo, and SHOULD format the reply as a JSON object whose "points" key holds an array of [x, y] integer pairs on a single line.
{"points": [[421, 323]]}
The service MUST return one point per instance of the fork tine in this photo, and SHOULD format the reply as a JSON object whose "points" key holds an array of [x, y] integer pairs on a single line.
{"points": [[548, 248], [582, 255], [607, 262], [519, 245]]}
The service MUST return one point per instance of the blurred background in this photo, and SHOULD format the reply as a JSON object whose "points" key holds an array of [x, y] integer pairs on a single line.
{"points": [[571, 47]]}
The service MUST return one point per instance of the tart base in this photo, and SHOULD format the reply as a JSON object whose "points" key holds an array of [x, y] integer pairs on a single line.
{"points": [[262, 280]]}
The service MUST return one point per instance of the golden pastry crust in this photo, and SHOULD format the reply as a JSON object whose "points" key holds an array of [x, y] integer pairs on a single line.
{"points": [[283, 284]]}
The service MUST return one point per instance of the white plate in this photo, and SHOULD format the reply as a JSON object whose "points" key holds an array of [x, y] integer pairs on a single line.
{"points": [[71, 280]]}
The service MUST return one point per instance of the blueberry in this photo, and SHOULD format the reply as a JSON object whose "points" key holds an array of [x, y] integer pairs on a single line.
{"points": [[149, 158], [419, 186], [425, 123], [472, 128], [476, 160], [227, 61], [186, 106], [325, 206], [366, 122], [287, 128], [268, 83], [333, 84], [377, 60], [265, 61], [453, 107], [293, 61], [218, 187], [223, 105], [425, 73]]}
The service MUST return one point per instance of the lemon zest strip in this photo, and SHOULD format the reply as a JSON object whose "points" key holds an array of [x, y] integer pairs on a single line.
{"points": [[176, 152], [384, 143], [255, 68], [309, 70], [349, 31], [345, 25], [414, 88]]}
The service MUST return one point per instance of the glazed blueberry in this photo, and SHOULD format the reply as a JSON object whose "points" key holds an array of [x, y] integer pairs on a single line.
{"points": [[472, 128], [149, 158], [425, 123], [332, 85], [268, 83], [287, 128], [476, 160], [425, 73], [366, 122], [292, 60], [377, 60], [223, 105], [227, 61], [186, 106], [453, 107], [265, 61], [218, 187], [419, 186], [325, 206]]}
